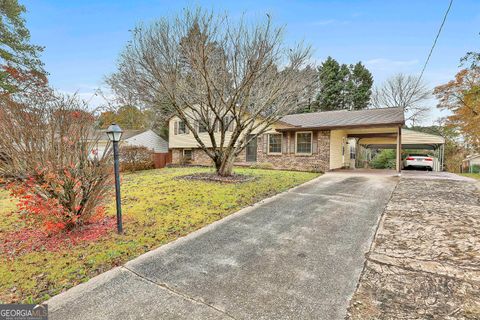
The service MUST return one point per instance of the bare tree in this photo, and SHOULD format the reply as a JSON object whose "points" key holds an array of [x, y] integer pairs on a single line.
{"points": [[405, 91], [214, 73], [46, 143]]}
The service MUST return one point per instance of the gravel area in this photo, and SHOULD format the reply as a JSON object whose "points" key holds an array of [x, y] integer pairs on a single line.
{"points": [[425, 259]]}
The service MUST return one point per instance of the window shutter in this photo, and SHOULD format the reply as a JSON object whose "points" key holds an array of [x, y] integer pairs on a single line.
{"points": [[197, 126], [284, 142], [314, 143], [175, 127], [187, 130], [292, 142]]}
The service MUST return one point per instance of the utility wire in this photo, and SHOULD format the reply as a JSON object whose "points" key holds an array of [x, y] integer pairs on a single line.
{"points": [[434, 43]]}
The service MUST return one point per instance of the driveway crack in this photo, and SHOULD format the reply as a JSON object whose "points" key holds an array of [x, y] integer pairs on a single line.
{"points": [[178, 293]]}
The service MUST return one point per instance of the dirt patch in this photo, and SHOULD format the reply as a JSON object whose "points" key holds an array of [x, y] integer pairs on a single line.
{"points": [[425, 259], [212, 177]]}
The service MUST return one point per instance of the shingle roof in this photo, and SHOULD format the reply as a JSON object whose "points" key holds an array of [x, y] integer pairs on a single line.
{"points": [[346, 118], [102, 134]]}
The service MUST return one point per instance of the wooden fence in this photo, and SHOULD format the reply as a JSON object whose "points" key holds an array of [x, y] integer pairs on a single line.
{"points": [[160, 160]]}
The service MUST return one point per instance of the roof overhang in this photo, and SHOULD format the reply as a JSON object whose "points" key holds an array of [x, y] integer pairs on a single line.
{"points": [[376, 125]]}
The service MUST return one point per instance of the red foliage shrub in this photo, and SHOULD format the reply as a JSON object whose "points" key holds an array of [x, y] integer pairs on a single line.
{"points": [[49, 167], [54, 201], [30, 239]]}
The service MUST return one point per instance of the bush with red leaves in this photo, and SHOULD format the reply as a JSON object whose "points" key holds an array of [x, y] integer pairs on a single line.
{"points": [[49, 168], [29, 239]]}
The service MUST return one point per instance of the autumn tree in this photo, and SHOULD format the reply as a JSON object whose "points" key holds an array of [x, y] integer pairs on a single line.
{"points": [[48, 148], [461, 97], [127, 117], [20, 67], [217, 73], [404, 91]]}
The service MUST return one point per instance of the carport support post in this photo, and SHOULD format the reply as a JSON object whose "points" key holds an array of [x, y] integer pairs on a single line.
{"points": [[399, 150]]}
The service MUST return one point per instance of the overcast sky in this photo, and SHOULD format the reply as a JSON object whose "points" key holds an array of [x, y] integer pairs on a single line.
{"points": [[83, 39]]}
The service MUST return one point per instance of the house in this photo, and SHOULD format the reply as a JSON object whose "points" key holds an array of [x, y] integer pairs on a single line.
{"points": [[142, 138], [472, 163], [318, 141]]}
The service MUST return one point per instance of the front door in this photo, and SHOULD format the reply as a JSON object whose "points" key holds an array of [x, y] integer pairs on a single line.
{"points": [[251, 150]]}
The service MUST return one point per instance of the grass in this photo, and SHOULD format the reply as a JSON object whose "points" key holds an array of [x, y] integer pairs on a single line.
{"points": [[471, 175], [157, 209]]}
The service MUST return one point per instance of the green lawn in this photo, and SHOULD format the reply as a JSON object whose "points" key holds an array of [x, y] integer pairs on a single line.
{"points": [[471, 175], [157, 209]]}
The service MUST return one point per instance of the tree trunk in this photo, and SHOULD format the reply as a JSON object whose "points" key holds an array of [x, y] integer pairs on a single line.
{"points": [[224, 165]]}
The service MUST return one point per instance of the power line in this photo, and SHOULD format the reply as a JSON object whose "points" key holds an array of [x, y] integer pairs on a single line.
{"points": [[434, 43]]}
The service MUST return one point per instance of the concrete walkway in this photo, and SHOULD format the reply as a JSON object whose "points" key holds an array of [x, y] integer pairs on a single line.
{"points": [[298, 255]]}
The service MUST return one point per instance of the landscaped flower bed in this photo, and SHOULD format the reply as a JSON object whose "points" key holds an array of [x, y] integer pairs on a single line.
{"points": [[157, 208]]}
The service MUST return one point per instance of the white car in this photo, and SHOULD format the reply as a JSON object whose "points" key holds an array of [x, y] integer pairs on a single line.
{"points": [[418, 161]]}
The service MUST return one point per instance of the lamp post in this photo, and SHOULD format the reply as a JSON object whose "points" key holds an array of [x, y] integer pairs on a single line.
{"points": [[114, 133]]}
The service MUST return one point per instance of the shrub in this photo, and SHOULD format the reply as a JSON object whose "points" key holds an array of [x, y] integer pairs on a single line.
{"points": [[385, 159], [135, 158], [473, 169], [49, 143]]}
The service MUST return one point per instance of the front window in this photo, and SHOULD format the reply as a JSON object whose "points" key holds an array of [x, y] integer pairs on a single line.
{"points": [[352, 151], [187, 155], [181, 127], [304, 142], [275, 143]]}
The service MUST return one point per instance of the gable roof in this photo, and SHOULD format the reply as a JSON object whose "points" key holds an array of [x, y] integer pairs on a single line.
{"points": [[102, 134], [345, 118], [150, 140], [471, 157]]}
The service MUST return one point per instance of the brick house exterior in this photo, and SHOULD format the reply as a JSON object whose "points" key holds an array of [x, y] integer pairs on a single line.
{"points": [[319, 141], [318, 161]]}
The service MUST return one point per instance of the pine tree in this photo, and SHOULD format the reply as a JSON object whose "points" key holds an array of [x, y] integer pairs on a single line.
{"points": [[331, 79], [343, 87], [20, 62], [361, 81]]}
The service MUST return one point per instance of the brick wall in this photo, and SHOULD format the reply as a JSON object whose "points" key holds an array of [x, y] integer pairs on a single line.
{"points": [[318, 161], [198, 157]]}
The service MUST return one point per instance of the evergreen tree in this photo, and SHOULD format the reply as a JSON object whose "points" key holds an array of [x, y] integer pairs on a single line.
{"points": [[331, 86], [20, 64], [361, 81], [343, 87]]}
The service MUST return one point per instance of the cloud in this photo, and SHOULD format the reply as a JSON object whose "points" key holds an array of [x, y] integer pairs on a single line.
{"points": [[90, 95]]}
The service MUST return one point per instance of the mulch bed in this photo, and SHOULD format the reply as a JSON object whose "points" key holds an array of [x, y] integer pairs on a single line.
{"points": [[212, 177]]}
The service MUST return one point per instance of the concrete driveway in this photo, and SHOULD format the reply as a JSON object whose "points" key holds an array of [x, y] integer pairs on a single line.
{"points": [[296, 255]]}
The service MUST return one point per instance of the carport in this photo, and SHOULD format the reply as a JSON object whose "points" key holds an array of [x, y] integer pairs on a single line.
{"points": [[408, 139]]}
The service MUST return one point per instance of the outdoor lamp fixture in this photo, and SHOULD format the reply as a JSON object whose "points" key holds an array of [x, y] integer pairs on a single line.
{"points": [[114, 133]]}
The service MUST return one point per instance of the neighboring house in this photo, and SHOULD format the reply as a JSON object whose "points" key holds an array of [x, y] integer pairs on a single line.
{"points": [[309, 141], [148, 139], [142, 138], [471, 162]]}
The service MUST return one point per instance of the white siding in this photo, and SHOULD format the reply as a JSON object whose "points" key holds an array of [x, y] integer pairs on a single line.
{"points": [[183, 140], [150, 140], [336, 142], [475, 161]]}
